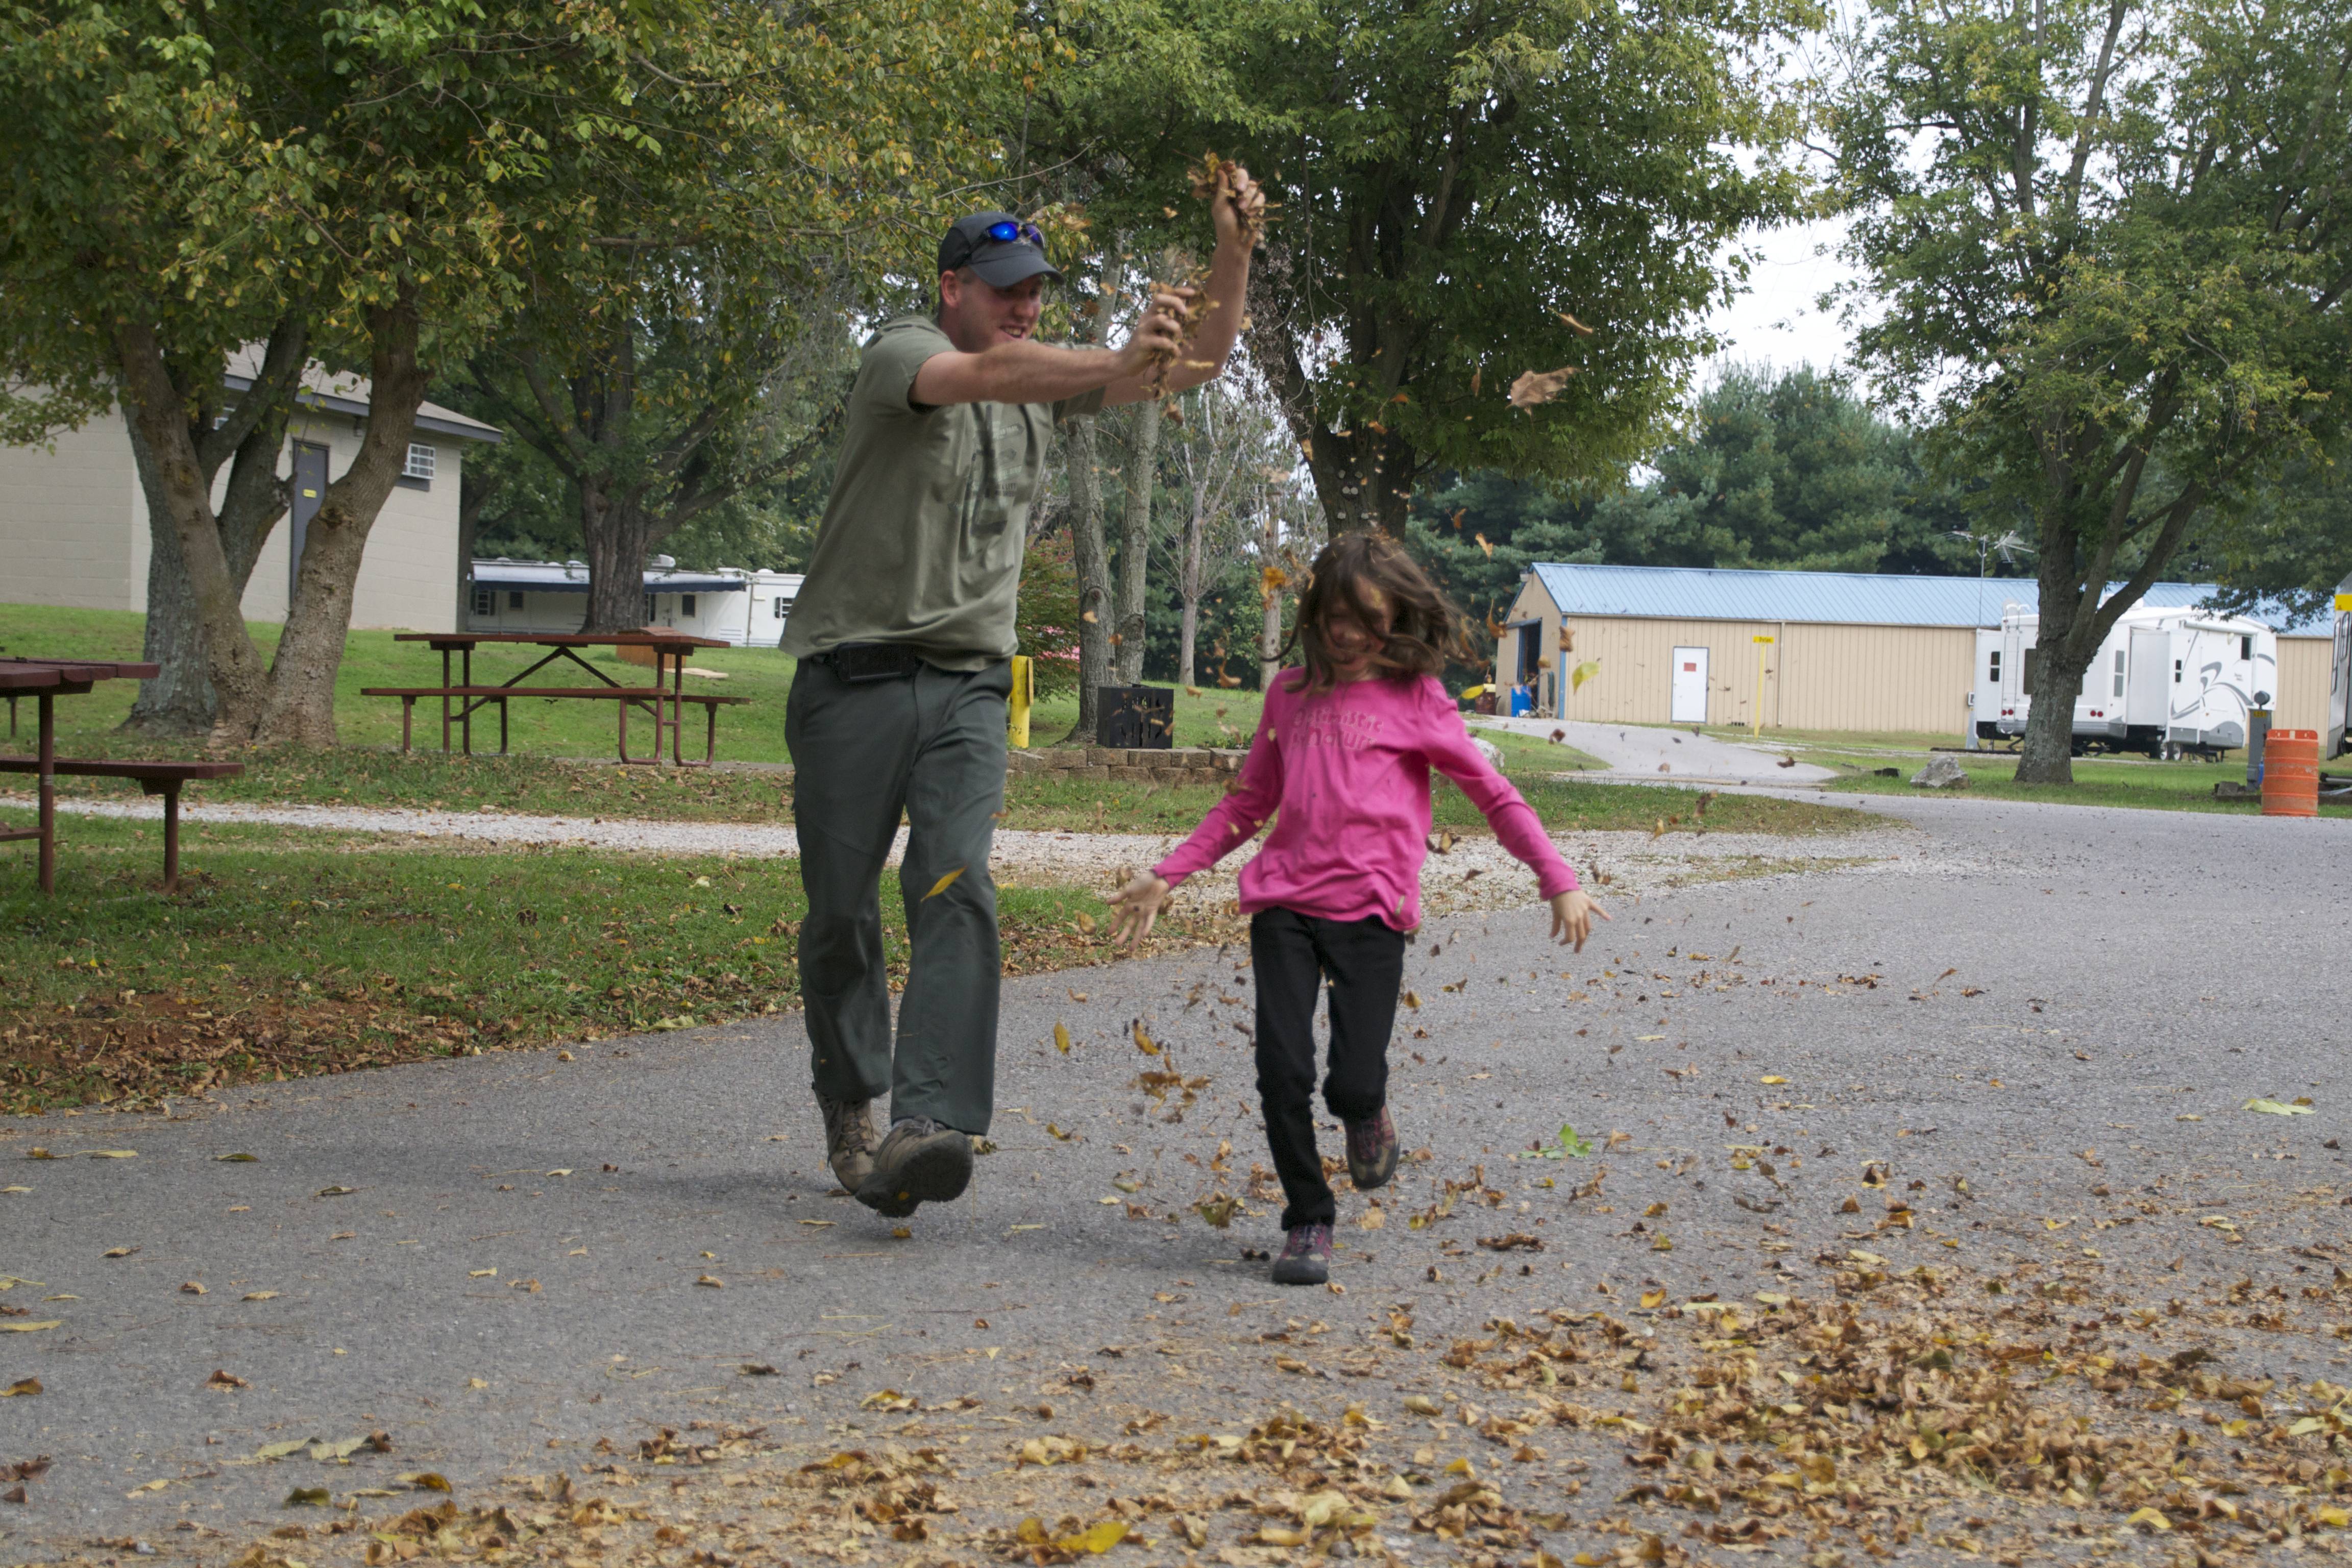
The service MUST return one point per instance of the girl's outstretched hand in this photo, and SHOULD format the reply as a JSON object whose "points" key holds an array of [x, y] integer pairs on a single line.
{"points": [[1138, 905], [1572, 917]]}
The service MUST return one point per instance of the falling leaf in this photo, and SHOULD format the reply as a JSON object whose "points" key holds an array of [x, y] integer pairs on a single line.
{"points": [[24, 1388], [119, 1252], [1484, 546], [1535, 387], [1582, 673], [481, 1274], [1579, 328], [758, 1369], [1143, 1042], [1654, 1300], [1086, 924], [428, 1480], [38, 1153], [900, 1233], [306, 1497], [336, 1192], [1062, 1038], [2276, 1108], [259, 1296], [226, 1380], [236, 1159], [1771, 1077], [191, 1287], [944, 883], [114, 1153], [30, 1327]]}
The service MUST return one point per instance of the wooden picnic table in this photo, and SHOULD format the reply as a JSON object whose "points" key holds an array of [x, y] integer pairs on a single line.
{"points": [[48, 679], [666, 698]]}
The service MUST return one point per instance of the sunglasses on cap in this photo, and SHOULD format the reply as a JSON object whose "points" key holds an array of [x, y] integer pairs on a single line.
{"points": [[1007, 232]]}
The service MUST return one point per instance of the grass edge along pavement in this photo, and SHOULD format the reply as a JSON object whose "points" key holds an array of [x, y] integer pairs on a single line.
{"points": [[290, 954]]}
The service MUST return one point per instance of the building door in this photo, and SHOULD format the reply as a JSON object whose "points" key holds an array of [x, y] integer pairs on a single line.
{"points": [[1690, 686], [309, 490]]}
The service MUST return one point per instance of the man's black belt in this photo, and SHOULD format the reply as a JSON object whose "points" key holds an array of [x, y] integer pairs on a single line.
{"points": [[855, 663]]}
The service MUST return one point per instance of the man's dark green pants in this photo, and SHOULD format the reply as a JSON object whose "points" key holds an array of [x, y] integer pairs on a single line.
{"points": [[931, 745]]}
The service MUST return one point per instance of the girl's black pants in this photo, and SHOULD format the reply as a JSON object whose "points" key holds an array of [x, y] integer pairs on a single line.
{"points": [[1363, 964]]}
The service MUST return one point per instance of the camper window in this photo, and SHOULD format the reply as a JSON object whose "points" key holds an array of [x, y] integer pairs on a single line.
{"points": [[2176, 672], [2245, 647], [2119, 672], [1992, 668], [484, 601], [514, 599], [685, 604]]}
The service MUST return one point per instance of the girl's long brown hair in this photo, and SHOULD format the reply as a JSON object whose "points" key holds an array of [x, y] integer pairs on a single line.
{"points": [[1368, 575]]}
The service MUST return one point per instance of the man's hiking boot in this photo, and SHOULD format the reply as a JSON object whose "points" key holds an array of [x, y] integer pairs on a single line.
{"points": [[919, 1161], [848, 1140], [1372, 1151], [1305, 1257]]}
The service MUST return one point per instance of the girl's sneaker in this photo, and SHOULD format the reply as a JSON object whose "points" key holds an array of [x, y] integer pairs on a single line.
{"points": [[1306, 1258], [1372, 1151]]}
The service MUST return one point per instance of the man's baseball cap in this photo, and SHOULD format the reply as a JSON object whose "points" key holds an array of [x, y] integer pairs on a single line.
{"points": [[998, 246]]}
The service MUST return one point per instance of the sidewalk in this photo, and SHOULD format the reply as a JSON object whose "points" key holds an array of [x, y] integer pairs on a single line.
{"points": [[1650, 753]]}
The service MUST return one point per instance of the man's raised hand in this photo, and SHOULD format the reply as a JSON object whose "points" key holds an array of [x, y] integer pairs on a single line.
{"points": [[1238, 209]]}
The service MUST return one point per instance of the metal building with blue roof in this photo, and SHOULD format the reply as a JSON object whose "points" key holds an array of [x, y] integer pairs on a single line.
{"points": [[1815, 650]]}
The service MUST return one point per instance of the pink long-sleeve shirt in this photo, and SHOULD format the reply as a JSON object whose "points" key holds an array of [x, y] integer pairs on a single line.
{"points": [[1350, 769]]}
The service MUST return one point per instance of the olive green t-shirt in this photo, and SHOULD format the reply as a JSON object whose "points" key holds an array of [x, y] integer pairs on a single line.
{"points": [[922, 537]]}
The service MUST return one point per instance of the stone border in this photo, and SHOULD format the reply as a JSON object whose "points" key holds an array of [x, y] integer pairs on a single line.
{"points": [[1142, 765]]}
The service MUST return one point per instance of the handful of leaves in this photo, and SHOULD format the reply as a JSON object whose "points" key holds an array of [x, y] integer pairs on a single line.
{"points": [[1215, 176]]}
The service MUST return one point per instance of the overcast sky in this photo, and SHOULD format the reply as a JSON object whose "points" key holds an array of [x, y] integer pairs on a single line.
{"points": [[1777, 320]]}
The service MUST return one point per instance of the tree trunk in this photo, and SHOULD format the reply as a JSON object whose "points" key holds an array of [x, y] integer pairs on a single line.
{"points": [[1364, 478], [1089, 553], [1091, 558], [2046, 755], [1269, 646], [1188, 585], [179, 700], [1135, 536], [239, 680], [300, 706], [620, 538]]}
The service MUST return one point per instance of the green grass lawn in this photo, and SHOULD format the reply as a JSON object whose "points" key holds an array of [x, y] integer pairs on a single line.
{"points": [[2186, 785], [540, 727], [288, 954]]}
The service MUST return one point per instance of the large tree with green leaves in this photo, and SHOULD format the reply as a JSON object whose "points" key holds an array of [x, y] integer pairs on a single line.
{"points": [[687, 344], [1451, 179], [2111, 241]]}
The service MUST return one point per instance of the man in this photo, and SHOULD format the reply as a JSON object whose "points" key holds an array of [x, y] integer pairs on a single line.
{"points": [[904, 628]]}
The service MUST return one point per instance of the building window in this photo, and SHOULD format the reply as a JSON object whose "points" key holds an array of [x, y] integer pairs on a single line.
{"points": [[484, 601], [649, 609], [685, 604], [514, 598], [421, 460]]}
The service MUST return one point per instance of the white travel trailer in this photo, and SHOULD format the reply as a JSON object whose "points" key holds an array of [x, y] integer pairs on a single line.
{"points": [[747, 608], [2165, 681]]}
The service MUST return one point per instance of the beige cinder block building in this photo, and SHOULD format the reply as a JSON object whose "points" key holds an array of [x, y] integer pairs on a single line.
{"points": [[1847, 650], [74, 527]]}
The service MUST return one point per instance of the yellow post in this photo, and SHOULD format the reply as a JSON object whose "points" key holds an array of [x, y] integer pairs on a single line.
{"points": [[1016, 707], [1756, 708]]}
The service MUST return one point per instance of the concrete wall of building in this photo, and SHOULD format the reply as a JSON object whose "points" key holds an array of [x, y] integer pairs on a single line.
{"points": [[74, 526], [1814, 676], [2301, 700], [70, 519]]}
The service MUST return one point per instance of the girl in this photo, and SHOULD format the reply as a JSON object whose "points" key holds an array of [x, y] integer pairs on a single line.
{"points": [[1344, 749]]}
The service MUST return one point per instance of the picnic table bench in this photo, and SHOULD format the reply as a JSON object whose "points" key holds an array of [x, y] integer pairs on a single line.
{"points": [[46, 678], [665, 698], [155, 778]]}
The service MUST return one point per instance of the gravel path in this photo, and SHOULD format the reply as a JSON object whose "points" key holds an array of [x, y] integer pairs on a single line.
{"points": [[1477, 873], [1653, 753]]}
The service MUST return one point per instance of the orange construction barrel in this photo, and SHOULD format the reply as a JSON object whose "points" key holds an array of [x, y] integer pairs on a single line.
{"points": [[2291, 773]]}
